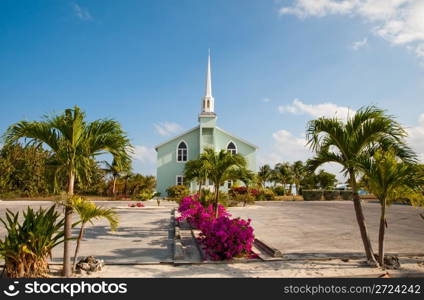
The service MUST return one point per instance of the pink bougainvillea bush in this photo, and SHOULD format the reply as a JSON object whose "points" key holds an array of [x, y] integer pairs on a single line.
{"points": [[195, 214], [226, 238], [221, 238]]}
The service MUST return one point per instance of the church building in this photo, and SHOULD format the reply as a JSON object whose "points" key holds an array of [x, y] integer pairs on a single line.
{"points": [[174, 153]]}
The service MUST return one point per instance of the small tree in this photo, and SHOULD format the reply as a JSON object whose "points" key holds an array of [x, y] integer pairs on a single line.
{"points": [[194, 170], [219, 166], [89, 212], [389, 179]]}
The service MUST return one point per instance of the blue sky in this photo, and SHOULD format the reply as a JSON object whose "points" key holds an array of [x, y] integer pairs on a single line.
{"points": [[275, 65]]}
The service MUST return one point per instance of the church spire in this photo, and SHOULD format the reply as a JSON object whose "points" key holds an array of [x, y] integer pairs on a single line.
{"points": [[208, 100]]}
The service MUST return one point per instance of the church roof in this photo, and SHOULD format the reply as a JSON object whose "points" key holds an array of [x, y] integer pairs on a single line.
{"points": [[176, 137], [197, 127]]}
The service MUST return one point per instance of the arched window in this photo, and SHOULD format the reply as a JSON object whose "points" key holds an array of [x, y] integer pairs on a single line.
{"points": [[182, 153], [209, 104], [231, 147]]}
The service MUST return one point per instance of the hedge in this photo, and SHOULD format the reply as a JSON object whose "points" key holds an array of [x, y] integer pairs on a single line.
{"points": [[331, 195], [346, 195], [312, 195]]}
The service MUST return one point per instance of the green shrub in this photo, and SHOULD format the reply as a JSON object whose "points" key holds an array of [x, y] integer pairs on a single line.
{"points": [[346, 195], [312, 195], [28, 245], [145, 195], [177, 192], [279, 190], [331, 194], [265, 194]]}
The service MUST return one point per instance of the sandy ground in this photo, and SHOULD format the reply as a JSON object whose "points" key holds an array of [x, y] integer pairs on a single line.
{"points": [[410, 267]]}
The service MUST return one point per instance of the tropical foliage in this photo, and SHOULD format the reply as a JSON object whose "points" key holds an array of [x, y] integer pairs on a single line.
{"points": [[345, 143], [88, 212], [74, 143], [28, 245]]}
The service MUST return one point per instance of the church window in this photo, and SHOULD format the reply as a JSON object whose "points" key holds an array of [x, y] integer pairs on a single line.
{"points": [[182, 152], [232, 148], [180, 180], [209, 104]]}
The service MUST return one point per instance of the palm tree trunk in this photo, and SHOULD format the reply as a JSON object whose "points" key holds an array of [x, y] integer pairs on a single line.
{"points": [[360, 218], [216, 199], [68, 228], [114, 186], [81, 233], [381, 233]]}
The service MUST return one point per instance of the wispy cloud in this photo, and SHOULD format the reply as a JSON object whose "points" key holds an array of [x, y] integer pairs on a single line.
{"points": [[167, 128], [327, 109], [400, 22], [266, 100], [359, 44], [81, 12]]}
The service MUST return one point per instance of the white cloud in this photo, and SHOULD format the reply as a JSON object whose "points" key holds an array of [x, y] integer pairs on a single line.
{"points": [[359, 44], [266, 100], [167, 128], [327, 109], [416, 137], [81, 13], [144, 154], [290, 148], [400, 22]]}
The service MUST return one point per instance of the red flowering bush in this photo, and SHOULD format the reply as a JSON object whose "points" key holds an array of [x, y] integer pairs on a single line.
{"points": [[226, 238], [193, 211], [222, 237], [138, 204]]}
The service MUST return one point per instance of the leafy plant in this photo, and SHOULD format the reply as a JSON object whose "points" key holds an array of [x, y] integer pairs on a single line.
{"points": [[177, 191], [88, 212], [27, 245]]}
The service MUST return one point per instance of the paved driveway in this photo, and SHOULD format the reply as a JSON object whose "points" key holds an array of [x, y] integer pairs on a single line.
{"points": [[144, 235], [330, 226]]}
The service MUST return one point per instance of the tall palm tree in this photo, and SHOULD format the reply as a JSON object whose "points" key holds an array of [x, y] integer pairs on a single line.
{"points": [[343, 142], [74, 142], [88, 212], [194, 170], [389, 178], [116, 168], [283, 174], [219, 166], [264, 174], [244, 175]]}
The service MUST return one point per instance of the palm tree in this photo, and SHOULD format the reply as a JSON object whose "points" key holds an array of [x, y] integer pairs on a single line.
{"points": [[389, 178], [194, 170], [282, 174], [116, 168], [298, 171], [88, 212], [244, 175], [218, 166], [264, 174], [343, 142], [74, 143]]}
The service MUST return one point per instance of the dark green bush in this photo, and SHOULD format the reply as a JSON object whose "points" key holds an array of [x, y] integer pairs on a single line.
{"points": [[331, 194], [279, 190], [346, 195], [312, 195]]}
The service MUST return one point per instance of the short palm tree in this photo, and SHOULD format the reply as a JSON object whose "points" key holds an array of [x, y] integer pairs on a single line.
{"points": [[244, 175], [88, 212], [343, 142], [389, 179], [194, 170], [219, 167], [282, 174], [74, 143]]}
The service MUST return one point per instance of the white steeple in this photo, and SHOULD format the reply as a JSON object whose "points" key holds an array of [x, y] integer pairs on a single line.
{"points": [[207, 100]]}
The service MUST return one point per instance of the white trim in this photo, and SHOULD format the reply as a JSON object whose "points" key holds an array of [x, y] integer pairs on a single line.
{"points": [[235, 145], [176, 179], [176, 137], [240, 139], [176, 152]]}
